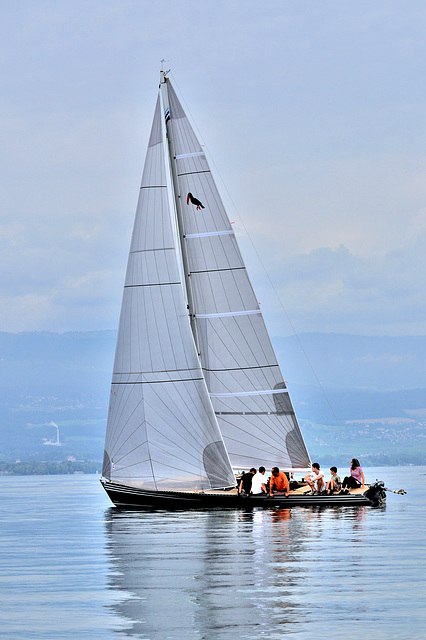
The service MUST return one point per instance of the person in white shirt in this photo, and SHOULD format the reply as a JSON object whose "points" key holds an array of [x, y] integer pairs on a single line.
{"points": [[315, 479], [258, 484]]}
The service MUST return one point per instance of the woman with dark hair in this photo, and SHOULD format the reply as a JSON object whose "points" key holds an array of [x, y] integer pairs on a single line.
{"points": [[356, 479]]}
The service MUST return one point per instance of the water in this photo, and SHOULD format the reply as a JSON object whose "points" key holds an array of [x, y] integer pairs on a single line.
{"points": [[72, 566]]}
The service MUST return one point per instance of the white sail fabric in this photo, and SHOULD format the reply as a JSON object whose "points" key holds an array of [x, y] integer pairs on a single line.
{"points": [[162, 433], [248, 393]]}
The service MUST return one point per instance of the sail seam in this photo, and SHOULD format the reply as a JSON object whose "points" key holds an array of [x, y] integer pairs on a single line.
{"points": [[218, 270], [261, 366], [152, 372], [160, 249], [253, 413], [153, 284]]}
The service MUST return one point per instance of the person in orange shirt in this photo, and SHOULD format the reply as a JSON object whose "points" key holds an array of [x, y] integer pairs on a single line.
{"points": [[279, 481]]}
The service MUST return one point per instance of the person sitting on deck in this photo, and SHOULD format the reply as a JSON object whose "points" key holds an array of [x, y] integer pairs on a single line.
{"points": [[334, 483], [278, 482], [315, 479], [246, 481], [258, 484], [356, 480]]}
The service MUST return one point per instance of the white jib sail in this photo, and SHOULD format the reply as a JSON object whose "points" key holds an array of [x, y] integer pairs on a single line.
{"points": [[162, 433], [247, 389]]}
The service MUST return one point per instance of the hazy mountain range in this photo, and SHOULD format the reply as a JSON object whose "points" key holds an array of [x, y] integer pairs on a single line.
{"points": [[371, 402]]}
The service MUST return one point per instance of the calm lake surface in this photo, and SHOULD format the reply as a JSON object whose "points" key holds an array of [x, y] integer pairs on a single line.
{"points": [[73, 566]]}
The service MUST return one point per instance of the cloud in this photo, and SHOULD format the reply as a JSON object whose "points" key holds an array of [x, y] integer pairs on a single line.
{"points": [[313, 111], [337, 290], [417, 227], [386, 358]]}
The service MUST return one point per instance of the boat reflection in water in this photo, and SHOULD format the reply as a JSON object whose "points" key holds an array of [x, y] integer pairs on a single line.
{"points": [[228, 574]]}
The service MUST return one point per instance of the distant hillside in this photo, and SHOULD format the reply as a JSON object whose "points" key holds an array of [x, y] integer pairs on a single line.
{"points": [[75, 364], [376, 387], [82, 361]]}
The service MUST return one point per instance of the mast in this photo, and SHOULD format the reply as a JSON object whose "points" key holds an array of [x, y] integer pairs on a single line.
{"points": [[178, 202]]}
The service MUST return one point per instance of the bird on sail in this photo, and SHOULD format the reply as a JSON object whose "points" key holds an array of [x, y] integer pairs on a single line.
{"points": [[193, 200]]}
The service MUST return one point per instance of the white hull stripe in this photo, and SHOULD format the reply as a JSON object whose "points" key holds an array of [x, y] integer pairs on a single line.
{"points": [[265, 392], [209, 233], [227, 314], [189, 155]]}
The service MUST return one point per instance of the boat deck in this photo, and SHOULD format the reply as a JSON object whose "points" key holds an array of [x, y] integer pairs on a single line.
{"points": [[300, 491]]}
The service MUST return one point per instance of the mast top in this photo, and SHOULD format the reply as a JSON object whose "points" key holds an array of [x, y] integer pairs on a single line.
{"points": [[164, 74]]}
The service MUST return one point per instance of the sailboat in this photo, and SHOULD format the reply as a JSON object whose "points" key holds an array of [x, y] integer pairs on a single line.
{"points": [[197, 394]]}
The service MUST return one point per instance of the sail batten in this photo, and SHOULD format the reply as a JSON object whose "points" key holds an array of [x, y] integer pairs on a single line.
{"points": [[261, 392]]}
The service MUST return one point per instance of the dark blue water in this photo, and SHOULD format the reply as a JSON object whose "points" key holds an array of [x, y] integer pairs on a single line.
{"points": [[72, 566]]}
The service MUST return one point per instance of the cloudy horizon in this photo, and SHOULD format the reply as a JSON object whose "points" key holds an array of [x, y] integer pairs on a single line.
{"points": [[313, 114]]}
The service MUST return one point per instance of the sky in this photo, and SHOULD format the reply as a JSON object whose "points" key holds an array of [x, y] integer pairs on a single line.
{"points": [[313, 117]]}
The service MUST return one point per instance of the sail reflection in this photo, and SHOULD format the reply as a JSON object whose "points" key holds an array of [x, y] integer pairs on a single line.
{"points": [[204, 574]]}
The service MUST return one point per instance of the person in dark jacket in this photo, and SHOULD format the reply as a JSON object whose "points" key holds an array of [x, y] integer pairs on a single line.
{"points": [[246, 480]]}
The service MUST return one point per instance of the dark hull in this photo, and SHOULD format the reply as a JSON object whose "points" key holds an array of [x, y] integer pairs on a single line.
{"points": [[125, 496]]}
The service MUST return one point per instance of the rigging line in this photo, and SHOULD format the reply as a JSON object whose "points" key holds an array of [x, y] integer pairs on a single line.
{"points": [[258, 256]]}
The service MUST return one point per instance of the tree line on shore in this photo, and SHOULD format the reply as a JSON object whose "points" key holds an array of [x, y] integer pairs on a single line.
{"points": [[66, 467]]}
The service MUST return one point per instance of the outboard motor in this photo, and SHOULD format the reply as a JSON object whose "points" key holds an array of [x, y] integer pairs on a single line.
{"points": [[376, 493]]}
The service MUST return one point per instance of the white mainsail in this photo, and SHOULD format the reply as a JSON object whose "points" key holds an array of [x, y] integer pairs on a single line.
{"points": [[162, 433], [250, 398]]}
